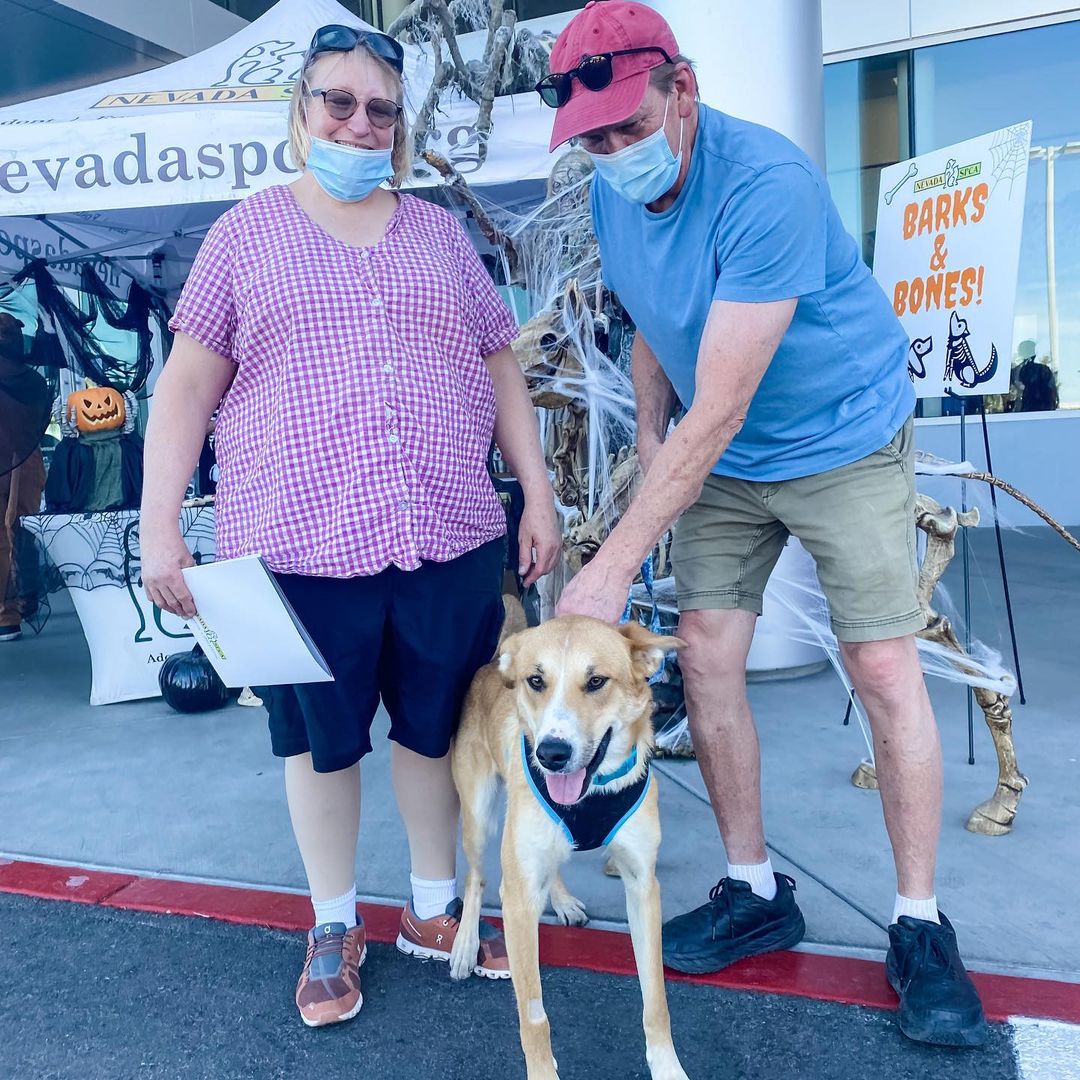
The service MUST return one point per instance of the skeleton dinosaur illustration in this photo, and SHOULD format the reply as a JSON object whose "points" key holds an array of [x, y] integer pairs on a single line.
{"points": [[959, 359]]}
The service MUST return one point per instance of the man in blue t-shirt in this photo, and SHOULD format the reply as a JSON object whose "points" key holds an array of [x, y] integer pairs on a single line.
{"points": [[755, 312]]}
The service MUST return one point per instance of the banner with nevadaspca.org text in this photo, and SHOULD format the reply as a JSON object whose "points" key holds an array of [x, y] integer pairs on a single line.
{"points": [[213, 127], [947, 251]]}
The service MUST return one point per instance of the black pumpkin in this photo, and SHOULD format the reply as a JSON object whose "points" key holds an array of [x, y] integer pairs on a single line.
{"points": [[190, 684]]}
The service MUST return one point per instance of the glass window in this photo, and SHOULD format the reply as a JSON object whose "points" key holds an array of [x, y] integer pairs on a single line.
{"points": [[968, 88], [535, 9], [866, 128], [375, 12]]}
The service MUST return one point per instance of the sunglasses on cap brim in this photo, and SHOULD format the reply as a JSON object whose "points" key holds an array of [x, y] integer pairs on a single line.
{"points": [[594, 73], [338, 38]]}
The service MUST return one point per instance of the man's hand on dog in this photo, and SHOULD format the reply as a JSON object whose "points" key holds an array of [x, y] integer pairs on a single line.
{"points": [[598, 590]]}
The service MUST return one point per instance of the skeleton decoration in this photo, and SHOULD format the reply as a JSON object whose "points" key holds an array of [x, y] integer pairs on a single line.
{"points": [[574, 348], [940, 524], [995, 816]]}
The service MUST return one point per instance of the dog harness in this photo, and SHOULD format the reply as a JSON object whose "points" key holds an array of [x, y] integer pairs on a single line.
{"points": [[593, 820]]}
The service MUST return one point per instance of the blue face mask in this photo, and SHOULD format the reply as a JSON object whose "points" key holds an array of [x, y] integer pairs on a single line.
{"points": [[644, 171], [348, 173]]}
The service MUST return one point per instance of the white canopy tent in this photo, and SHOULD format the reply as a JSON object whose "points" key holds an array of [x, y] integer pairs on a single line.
{"points": [[128, 175], [145, 164]]}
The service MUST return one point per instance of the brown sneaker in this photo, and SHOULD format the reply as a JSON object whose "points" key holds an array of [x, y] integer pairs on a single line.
{"points": [[433, 939], [329, 986]]}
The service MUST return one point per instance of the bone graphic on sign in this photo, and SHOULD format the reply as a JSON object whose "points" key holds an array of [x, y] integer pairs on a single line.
{"points": [[913, 170]]}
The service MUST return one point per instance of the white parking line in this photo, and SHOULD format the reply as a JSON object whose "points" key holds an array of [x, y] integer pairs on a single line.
{"points": [[1046, 1049]]}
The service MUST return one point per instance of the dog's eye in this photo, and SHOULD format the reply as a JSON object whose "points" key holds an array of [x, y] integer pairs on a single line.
{"points": [[597, 682], [536, 682]]}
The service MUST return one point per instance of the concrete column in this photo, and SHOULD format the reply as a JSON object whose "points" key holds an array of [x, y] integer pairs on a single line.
{"points": [[759, 60]]}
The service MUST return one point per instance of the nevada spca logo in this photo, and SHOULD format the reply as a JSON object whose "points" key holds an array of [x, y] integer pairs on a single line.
{"points": [[265, 72], [265, 63]]}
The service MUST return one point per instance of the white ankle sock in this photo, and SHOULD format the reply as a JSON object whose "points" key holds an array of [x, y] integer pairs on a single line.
{"points": [[759, 875], [340, 909], [431, 898], [915, 909]]}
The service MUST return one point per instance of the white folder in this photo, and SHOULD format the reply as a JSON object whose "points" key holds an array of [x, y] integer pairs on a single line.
{"points": [[247, 627]]}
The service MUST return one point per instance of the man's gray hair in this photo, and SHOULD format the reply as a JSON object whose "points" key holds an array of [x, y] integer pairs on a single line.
{"points": [[663, 76]]}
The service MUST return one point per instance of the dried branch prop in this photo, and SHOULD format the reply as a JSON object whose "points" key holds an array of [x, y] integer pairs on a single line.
{"points": [[1020, 497], [457, 184], [496, 56]]}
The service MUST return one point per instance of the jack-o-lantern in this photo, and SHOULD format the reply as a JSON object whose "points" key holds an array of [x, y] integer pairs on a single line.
{"points": [[98, 408]]}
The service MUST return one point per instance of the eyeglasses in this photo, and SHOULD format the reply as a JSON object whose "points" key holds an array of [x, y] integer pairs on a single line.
{"points": [[341, 105], [338, 38], [594, 73]]}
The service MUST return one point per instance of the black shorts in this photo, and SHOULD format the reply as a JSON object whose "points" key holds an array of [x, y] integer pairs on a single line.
{"points": [[414, 638]]}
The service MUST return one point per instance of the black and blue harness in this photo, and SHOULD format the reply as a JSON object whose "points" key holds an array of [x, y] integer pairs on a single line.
{"points": [[594, 819]]}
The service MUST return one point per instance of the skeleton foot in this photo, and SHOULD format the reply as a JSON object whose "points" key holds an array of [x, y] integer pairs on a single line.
{"points": [[865, 776], [995, 816]]}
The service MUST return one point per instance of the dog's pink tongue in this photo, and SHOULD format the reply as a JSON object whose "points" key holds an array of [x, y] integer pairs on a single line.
{"points": [[565, 788]]}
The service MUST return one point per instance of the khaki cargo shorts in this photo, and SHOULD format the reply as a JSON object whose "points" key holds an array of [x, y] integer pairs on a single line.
{"points": [[857, 521]]}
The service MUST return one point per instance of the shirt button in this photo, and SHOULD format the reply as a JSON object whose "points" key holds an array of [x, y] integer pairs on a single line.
{"points": [[376, 302], [392, 437], [404, 504], [388, 368]]}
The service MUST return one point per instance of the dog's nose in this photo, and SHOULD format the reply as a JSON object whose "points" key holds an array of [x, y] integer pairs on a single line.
{"points": [[553, 754]]}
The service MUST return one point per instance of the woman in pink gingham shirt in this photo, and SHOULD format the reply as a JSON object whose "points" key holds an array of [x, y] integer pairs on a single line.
{"points": [[360, 356]]}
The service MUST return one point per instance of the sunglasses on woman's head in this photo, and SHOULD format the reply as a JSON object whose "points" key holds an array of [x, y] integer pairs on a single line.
{"points": [[594, 73], [338, 38], [340, 104]]}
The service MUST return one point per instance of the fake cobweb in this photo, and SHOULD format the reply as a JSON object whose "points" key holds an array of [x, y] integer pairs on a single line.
{"points": [[88, 551], [1009, 154], [555, 249]]}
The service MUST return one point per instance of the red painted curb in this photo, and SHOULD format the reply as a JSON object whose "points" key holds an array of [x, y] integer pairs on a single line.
{"points": [[60, 882], [839, 979]]}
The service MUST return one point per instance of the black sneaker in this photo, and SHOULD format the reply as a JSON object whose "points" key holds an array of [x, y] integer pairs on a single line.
{"points": [[10, 633], [736, 922], [938, 1001]]}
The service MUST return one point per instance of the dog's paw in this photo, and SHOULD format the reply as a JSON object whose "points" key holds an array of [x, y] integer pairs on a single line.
{"points": [[570, 911], [675, 1073], [463, 957], [665, 1065], [538, 1072]]}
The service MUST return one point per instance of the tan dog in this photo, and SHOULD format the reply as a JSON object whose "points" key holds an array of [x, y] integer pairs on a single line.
{"points": [[564, 717]]}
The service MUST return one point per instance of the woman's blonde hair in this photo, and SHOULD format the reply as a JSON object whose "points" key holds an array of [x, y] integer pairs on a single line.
{"points": [[300, 138]]}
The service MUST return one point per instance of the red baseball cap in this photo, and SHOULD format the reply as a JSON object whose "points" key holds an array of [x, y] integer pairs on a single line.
{"points": [[608, 26]]}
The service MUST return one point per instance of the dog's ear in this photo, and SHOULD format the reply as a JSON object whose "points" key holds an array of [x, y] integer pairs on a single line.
{"points": [[507, 660], [647, 650]]}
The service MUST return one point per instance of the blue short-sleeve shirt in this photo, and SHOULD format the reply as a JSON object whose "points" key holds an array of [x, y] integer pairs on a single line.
{"points": [[754, 223]]}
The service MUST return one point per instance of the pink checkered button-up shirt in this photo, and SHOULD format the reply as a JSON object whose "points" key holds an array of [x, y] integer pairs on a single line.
{"points": [[355, 434]]}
